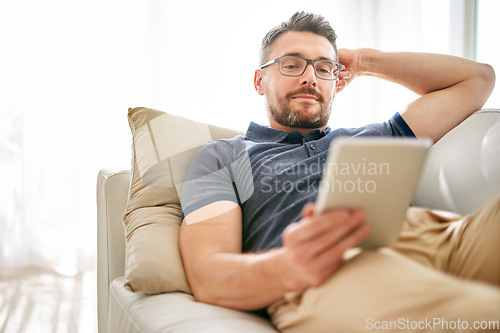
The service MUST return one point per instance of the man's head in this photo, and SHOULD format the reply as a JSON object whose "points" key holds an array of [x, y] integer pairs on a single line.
{"points": [[300, 21], [302, 100]]}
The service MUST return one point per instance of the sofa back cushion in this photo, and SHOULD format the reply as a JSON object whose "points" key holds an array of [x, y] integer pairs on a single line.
{"points": [[163, 146], [462, 170]]}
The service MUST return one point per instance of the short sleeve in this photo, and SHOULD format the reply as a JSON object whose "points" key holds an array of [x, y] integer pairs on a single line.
{"points": [[220, 171], [395, 126], [399, 126]]}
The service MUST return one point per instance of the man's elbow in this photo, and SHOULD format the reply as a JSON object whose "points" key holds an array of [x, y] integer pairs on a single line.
{"points": [[487, 76], [481, 86], [203, 295], [208, 296]]}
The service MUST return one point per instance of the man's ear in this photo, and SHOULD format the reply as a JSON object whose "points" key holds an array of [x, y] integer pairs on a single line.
{"points": [[340, 85], [258, 81], [336, 89]]}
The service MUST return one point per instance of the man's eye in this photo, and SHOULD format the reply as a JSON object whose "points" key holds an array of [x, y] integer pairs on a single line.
{"points": [[324, 68]]}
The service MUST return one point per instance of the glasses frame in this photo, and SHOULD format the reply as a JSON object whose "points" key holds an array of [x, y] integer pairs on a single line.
{"points": [[308, 61]]}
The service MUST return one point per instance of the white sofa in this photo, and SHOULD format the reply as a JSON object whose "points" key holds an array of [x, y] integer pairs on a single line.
{"points": [[462, 172]]}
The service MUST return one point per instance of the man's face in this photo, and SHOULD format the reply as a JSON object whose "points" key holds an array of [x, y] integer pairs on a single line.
{"points": [[302, 102]]}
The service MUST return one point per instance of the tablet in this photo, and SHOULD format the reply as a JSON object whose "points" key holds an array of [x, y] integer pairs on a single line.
{"points": [[377, 175]]}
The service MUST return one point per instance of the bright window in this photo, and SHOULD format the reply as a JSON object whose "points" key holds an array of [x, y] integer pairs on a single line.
{"points": [[487, 47]]}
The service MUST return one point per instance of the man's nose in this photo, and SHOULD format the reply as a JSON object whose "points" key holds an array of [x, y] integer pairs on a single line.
{"points": [[309, 76]]}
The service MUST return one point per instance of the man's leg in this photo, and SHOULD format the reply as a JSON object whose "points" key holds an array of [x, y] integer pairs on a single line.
{"points": [[467, 247], [385, 291]]}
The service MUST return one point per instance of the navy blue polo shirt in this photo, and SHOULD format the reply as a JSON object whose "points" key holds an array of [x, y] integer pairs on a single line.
{"points": [[271, 174]]}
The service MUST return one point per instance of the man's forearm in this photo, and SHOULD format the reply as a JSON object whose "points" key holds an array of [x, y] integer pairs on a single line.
{"points": [[422, 72], [451, 88], [240, 281]]}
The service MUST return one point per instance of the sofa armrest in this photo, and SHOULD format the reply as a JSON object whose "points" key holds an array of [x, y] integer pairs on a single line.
{"points": [[112, 193]]}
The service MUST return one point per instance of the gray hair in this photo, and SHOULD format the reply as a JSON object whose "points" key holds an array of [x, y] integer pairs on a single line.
{"points": [[300, 21]]}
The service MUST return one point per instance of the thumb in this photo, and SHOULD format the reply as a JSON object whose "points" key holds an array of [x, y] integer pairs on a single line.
{"points": [[308, 209]]}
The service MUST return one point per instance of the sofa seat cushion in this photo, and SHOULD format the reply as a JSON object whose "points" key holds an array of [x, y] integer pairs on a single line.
{"points": [[174, 312]]}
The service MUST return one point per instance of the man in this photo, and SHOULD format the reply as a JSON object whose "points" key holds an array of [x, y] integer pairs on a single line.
{"points": [[250, 239]]}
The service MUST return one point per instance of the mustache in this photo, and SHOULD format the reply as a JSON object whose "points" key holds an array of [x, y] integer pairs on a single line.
{"points": [[306, 90]]}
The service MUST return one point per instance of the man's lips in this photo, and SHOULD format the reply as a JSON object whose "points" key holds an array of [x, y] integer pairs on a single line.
{"points": [[305, 96]]}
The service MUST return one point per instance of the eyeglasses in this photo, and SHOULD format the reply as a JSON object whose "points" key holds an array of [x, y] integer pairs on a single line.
{"points": [[296, 66]]}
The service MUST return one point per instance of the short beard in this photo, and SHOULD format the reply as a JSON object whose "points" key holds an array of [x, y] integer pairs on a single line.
{"points": [[288, 116]]}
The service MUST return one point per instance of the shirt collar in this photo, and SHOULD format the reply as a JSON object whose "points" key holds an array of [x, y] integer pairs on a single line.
{"points": [[259, 133]]}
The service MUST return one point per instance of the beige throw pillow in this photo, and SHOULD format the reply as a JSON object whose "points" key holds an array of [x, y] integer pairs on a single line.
{"points": [[163, 147]]}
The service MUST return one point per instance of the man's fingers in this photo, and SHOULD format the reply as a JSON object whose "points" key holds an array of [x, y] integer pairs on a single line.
{"points": [[320, 268], [310, 227], [344, 75], [313, 227], [350, 241], [316, 244], [331, 239]]}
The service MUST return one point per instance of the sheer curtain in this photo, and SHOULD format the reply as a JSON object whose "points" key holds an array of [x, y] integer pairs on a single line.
{"points": [[70, 69], [487, 49]]}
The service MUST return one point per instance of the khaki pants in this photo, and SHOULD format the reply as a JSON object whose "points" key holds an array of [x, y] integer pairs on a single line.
{"points": [[443, 275]]}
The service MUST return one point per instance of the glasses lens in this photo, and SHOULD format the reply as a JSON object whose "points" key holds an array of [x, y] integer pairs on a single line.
{"points": [[292, 66], [326, 69]]}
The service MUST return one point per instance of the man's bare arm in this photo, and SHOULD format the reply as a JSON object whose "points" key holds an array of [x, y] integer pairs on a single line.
{"points": [[217, 271], [220, 274], [452, 88]]}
